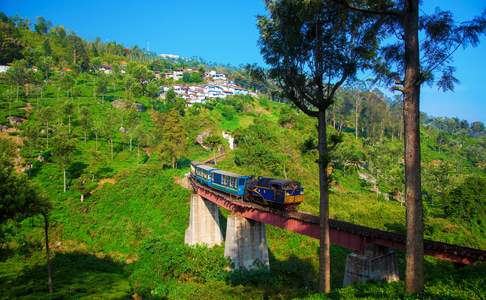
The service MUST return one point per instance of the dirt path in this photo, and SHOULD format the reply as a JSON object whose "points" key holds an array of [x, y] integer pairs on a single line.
{"points": [[19, 141], [102, 182]]}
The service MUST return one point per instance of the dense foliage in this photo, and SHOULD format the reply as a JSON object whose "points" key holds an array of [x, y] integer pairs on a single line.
{"points": [[118, 228]]}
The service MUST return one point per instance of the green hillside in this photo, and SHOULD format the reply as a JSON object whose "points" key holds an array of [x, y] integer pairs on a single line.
{"points": [[125, 237]]}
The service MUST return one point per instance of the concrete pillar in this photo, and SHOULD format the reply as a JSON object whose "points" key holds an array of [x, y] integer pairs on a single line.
{"points": [[246, 243], [203, 223], [378, 263]]}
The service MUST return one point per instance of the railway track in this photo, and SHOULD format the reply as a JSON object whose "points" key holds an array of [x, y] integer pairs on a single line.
{"points": [[348, 235]]}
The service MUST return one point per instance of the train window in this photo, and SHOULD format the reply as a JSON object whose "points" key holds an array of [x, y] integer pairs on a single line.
{"points": [[233, 182]]}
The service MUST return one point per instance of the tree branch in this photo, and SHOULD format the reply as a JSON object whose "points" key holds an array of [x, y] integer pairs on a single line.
{"points": [[292, 96], [440, 62], [305, 109], [384, 12], [330, 95]]}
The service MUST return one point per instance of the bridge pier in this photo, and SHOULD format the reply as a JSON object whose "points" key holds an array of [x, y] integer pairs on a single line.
{"points": [[376, 264], [203, 223], [246, 243]]}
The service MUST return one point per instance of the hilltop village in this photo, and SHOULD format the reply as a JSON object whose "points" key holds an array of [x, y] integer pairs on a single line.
{"points": [[217, 86], [191, 84]]}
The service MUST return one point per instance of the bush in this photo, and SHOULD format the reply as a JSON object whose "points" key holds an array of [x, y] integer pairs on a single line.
{"points": [[162, 261], [228, 112], [467, 202]]}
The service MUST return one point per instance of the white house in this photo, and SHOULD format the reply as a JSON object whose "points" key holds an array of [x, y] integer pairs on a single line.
{"points": [[3, 68], [105, 69], [219, 77], [215, 76], [214, 91], [176, 75], [169, 56], [179, 90], [240, 91]]}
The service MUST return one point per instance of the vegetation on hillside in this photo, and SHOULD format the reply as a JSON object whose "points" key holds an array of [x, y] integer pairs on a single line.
{"points": [[102, 148]]}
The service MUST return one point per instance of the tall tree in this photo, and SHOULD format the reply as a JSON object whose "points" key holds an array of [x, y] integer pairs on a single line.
{"points": [[31, 135], [405, 66], [46, 115], [68, 110], [85, 121], [132, 120], [11, 45], [79, 56], [102, 86], [20, 200], [108, 129], [19, 74], [42, 26], [215, 143], [63, 151], [171, 136], [67, 83], [312, 48]]}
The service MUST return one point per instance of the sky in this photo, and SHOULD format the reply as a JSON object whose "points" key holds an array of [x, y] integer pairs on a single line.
{"points": [[225, 32]]}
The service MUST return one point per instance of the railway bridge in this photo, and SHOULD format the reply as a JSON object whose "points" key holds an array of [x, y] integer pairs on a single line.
{"points": [[372, 256]]}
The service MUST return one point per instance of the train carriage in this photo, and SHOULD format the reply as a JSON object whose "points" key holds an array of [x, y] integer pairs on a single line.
{"points": [[202, 173], [281, 193], [229, 182]]}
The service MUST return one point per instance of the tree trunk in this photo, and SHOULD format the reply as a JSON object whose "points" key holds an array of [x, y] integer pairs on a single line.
{"points": [[324, 244], [131, 144], [414, 281], [85, 135], [69, 124], [17, 93], [48, 260], [333, 117], [64, 176], [111, 147], [47, 133], [356, 117], [96, 141]]}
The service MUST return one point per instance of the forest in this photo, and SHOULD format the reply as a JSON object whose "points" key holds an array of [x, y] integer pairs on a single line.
{"points": [[91, 160]]}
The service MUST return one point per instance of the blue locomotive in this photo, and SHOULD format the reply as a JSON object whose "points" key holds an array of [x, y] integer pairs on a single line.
{"points": [[282, 193]]}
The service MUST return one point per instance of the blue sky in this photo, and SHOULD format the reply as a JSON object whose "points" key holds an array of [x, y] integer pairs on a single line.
{"points": [[225, 32]]}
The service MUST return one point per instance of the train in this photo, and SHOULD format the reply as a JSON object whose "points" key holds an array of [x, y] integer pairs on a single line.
{"points": [[278, 193]]}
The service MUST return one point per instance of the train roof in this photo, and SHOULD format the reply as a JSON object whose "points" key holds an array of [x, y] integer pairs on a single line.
{"points": [[228, 173], [278, 181], [205, 167]]}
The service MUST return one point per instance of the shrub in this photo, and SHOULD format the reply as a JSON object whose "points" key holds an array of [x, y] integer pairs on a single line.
{"points": [[467, 202]]}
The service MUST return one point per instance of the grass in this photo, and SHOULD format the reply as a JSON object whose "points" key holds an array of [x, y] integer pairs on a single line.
{"points": [[127, 238]]}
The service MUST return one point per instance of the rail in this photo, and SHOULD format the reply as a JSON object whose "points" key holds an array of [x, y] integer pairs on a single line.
{"points": [[348, 235]]}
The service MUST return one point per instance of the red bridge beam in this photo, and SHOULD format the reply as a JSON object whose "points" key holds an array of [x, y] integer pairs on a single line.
{"points": [[343, 234]]}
